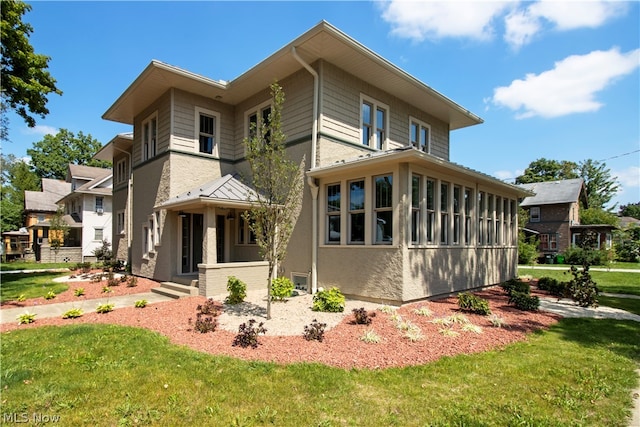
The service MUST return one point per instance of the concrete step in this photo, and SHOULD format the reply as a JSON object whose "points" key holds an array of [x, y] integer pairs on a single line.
{"points": [[175, 290]]}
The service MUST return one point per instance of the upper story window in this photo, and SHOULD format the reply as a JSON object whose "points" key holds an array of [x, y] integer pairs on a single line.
{"points": [[383, 209], [99, 204], [534, 214], [150, 137], [208, 131], [373, 123], [258, 118], [420, 134], [122, 171]]}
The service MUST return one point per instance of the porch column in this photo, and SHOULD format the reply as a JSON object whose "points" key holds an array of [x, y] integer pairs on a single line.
{"points": [[209, 250]]}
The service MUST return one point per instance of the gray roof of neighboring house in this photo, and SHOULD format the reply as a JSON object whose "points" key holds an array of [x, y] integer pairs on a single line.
{"points": [[227, 189], [45, 200], [553, 192], [85, 172]]}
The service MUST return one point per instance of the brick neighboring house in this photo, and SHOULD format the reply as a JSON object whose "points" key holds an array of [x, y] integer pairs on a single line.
{"points": [[386, 216], [554, 216]]}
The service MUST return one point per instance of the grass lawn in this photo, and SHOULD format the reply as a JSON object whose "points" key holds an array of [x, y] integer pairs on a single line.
{"points": [[105, 375], [627, 304], [607, 281], [23, 265], [31, 285]]}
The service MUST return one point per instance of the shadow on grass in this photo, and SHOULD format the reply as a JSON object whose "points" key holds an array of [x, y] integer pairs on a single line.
{"points": [[619, 336]]}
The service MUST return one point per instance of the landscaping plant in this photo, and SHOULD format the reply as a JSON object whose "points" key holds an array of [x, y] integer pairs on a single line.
{"points": [[361, 317], [330, 300], [73, 313], [141, 303], [248, 334], [206, 317], [105, 308], [314, 331], [474, 304], [26, 317], [281, 288], [237, 290]]}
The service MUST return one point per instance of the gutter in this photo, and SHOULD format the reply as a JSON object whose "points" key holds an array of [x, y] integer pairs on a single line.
{"points": [[310, 180]]}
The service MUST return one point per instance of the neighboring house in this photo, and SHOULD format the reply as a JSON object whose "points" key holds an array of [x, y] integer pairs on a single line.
{"points": [[15, 244], [39, 208], [386, 216], [554, 216], [88, 208]]}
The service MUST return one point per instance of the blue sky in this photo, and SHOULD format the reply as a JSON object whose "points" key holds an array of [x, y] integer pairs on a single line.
{"points": [[550, 79]]}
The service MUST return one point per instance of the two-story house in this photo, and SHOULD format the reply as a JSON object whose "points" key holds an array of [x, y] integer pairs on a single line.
{"points": [[88, 208], [386, 215], [554, 215]]}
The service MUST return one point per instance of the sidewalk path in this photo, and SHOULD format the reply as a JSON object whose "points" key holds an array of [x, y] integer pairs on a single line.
{"points": [[8, 315]]}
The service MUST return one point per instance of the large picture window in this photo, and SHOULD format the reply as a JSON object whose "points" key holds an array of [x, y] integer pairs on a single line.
{"points": [[356, 212], [383, 209], [333, 213]]}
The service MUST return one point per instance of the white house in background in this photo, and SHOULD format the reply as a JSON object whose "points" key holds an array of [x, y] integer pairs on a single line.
{"points": [[88, 208]]}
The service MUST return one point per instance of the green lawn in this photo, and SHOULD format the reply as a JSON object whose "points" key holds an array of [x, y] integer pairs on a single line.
{"points": [[608, 281], [22, 265], [106, 375], [627, 304], [31, 285]]}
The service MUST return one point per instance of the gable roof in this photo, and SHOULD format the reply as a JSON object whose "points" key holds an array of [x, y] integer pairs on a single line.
{"points": [[227, 190], [554, 192], [323, 41], [85, 172], [45, 200]]}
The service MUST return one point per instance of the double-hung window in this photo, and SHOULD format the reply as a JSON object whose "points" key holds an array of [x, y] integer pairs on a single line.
{"points": [[208, 131], [258, 121], [99, 204], [416, 196], [468, 200], [122, 173], [534, 214], [356, 212], [498, 220], [444, 213], [431, 210], [383, 209], [481, 214], [420, 134], [457, 194], [373, 120], [150, 137], [333, 213], [490, 212]]}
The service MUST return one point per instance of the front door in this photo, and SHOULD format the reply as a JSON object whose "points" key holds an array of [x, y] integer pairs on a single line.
{"points": [[191, 235]]}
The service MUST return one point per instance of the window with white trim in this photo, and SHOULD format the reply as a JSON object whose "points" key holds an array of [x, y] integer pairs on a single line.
{"points": [[150, 137], [208, 131], [548, 242], [246, 236], [534, 214], [468, 200], [457, 214], [416, 197], [383, 209], [98, 233], [514, 222], [431, 210], [145, 240], [99, 204], [156, 232], [356, 212], [481, 214], [420, 135], [151, 230], [120, 222], [333, 213], [373, 123], [498, 232], [490, 212], [444, 213], [256, 119], [122, 172]]}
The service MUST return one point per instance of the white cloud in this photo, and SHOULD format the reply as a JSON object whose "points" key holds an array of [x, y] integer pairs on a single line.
{"points": [[629, 177], [522, 25], [570, 87], [506, 175], [40, 130], [419, 20]]}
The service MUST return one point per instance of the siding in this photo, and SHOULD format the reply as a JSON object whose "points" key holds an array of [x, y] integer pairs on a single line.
{"points": [[163, 107]]}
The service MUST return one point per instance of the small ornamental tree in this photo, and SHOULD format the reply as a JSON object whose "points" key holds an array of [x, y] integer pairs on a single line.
{"points": [[278, 184], [58, 232]]}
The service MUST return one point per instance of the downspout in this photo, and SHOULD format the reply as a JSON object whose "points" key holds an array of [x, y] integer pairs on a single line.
{"points": [[312, 183]]}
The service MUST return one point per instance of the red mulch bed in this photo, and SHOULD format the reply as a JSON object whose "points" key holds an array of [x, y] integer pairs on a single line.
{"points": [[342, 346]]}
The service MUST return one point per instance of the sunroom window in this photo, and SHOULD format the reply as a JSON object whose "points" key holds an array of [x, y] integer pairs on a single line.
{"points": [[356, 212], [383, 209], [333, 213]]}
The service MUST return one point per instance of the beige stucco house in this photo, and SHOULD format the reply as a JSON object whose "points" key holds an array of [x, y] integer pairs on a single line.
{"points": [[386, 215]]}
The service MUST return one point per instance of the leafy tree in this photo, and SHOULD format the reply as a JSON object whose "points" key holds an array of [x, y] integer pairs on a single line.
{"points": [[58, 231], [597, 216], [548, 170], [16, 178], [25, 78], [527, 247], [278, 182], [632, 210], [601, 187], [51, 156]]}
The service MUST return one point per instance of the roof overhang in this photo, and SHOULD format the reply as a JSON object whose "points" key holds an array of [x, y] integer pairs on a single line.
{"points": [[322, 42], [120, 143], [419, 158]]}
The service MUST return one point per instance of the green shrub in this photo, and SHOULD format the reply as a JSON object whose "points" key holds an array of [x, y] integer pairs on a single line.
{"points": [[582, 288], [106, 290], [469, 302], [281, 288], [141, 303], [21, 298], [26, 317], [248, 334], [73, 313], [83, 267], [50, 295], [237, 290], [580, 256], [516, 285], [79, 292], [331, 301], [524, 301], [554, 286], [104, 308], [314, 331]]}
